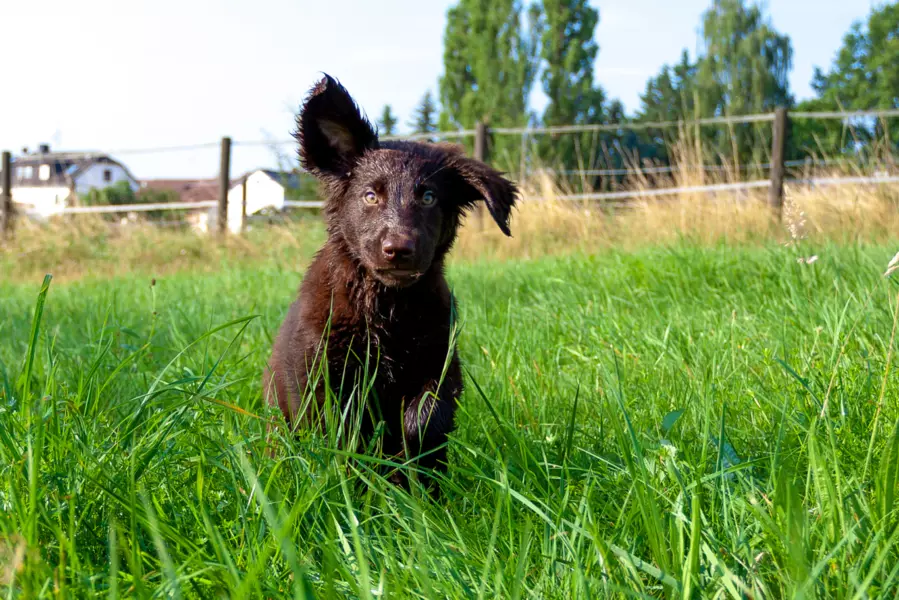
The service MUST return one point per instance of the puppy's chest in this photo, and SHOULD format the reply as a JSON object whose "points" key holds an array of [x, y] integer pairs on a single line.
{"points": [[406, 350]]}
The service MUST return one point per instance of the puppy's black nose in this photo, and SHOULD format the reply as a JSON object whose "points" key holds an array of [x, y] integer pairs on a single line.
{"points": [[397, 248]]}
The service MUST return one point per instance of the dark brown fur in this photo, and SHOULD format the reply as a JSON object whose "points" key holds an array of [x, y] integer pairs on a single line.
{"points": [[375, 296]]}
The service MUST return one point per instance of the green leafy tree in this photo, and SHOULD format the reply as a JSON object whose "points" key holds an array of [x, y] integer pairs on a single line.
{"points": [[490, 62], [864, 76], [865, 73], [387, 121], [746, 62], [742, 69], [121, 193], [672, 95], [568, 49], [424, 119], [117, 194]]}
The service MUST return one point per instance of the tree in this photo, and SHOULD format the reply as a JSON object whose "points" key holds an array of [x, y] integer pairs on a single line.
{"points": [[121, 193], [568, 49], [490, 63], [742, 69], [424, 117], [865, 73], [387, 122], [745, 70], [672, 95], [746, 64], [864, 76]]}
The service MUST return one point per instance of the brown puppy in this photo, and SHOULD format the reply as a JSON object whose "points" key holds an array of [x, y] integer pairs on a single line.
{"points": [[375, 299]]}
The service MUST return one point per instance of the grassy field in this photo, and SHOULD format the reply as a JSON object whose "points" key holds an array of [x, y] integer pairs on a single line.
{"points": [[674, 421]]}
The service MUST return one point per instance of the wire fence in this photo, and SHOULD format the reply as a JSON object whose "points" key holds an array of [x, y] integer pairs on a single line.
{"points": [[148, 207], [600, 167]]}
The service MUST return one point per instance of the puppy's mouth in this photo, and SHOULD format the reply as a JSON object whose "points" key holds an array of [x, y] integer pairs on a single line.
{"points": [[398, 277]]}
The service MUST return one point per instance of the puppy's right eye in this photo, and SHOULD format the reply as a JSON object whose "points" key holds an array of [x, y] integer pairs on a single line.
{"points": [[370, 197]]}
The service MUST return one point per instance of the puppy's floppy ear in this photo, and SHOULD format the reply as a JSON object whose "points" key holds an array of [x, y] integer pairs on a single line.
{"points": [[331, 130], [481, 182]]}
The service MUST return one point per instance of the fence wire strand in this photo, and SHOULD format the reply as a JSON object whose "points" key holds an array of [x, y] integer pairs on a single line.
{"points": [[527, 134]]}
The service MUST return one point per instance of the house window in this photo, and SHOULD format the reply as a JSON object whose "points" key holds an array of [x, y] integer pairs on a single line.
{"points": [[44, 172], [25, 172], [107, 175]]}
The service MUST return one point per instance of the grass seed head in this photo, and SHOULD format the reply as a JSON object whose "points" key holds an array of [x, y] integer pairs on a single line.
{"points": [[892, 266]]}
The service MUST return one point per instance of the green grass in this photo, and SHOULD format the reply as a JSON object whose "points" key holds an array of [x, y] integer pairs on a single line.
{"points": [[673, 422]]}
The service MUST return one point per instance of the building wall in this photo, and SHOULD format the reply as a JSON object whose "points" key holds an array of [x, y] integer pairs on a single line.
{"points": [[262, 192], [40, 201], [93, 177]]}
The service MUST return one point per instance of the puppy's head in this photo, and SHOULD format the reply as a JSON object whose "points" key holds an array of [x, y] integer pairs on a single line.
{"points": [[397, 205]]}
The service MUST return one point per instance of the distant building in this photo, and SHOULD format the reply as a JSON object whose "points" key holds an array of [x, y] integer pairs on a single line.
{"points": [[266, 191], [45, 182], [186, 190]]}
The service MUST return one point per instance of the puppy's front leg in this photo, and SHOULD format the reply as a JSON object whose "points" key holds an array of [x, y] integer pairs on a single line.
{"points": [[427, 420]]}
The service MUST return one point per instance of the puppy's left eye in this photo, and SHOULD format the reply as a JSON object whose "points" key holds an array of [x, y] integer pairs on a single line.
{"points": [[428, 198]]}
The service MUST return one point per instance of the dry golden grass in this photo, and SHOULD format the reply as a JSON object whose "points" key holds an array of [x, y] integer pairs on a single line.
{"points": [[846, 213], [87, 246], [12, 558], [542, 224]]}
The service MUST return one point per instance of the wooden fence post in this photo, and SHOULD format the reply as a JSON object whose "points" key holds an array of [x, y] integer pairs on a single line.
{"points": [[778, 151], [224, 184], [6, 215], [481, 152], [480, 141]]}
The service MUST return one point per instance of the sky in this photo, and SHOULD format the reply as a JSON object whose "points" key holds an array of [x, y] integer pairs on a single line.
{"points": [[119, 76]]}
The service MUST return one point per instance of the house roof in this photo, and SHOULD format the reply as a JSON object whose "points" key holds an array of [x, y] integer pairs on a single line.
{"points": [[287, 179], [188, 190], [65, 167], [205, 190]]}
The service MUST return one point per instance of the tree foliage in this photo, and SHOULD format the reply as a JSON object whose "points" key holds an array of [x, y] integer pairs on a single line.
{"points": [[568, 50], [495, 51], [387, 121], [743, 68], [424, 119], [490, 63], [746, 62], [864, 75], [672, 94]]}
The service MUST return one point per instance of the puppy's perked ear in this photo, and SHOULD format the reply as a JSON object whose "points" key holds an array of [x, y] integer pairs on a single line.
{"points": [[331, 130], [481, 182]]}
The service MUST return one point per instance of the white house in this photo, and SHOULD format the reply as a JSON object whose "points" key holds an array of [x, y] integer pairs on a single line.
{"points": [[265, 191], [44, 182]]}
